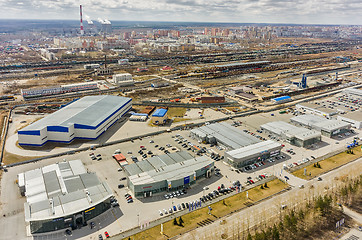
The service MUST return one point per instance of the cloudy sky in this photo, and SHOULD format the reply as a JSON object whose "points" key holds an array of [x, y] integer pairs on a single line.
{"points": [[243, 11]]}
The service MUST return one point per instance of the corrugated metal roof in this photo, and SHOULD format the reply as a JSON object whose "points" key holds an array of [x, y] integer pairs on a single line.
{"points": [[89, 111], [47, 184], [281, 98], [171, 172], [159, 112], [228, 135], [253, 149]]}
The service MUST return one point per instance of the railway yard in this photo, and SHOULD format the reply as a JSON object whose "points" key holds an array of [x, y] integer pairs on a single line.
{"points": [[186, 109]]}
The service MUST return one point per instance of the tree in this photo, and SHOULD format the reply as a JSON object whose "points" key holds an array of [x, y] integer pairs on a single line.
{"points": [[175, 221], [261, 187], [180, 221], [265, 185], [275, 233], [249, 237]]}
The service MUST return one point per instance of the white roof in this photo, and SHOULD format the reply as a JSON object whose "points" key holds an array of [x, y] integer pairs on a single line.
{"points": [[88, 111], [254, 149], [67, 185]]}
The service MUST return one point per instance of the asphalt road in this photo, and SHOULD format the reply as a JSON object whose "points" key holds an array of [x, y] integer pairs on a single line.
{"points": [[269, 210]]}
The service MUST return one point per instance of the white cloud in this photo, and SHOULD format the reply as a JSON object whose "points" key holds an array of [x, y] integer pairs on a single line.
{"points": [[283, 11]]}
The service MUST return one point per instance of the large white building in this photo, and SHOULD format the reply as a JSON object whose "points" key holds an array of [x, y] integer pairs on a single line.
{"points": [[123, 79], [62, 195], [86, 118]]}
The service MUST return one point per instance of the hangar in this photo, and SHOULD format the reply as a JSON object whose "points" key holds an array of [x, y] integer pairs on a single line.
{"points": [[167, 172], [62, 195], [86, 118]]}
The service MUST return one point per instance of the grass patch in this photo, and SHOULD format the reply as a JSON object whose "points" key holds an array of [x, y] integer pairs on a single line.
{"points": [[176, 112], [12, 158], [328, 164], [219, 209]]}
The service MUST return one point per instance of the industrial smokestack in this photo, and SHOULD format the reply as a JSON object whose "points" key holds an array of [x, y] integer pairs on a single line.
{"points": [[81, 22]]}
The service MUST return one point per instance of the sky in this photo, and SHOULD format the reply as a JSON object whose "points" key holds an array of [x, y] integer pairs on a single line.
{"points": [[238, 11]]}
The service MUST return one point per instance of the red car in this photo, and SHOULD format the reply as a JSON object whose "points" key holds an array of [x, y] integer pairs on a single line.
{"points": [[107, 235], [142, 146]]}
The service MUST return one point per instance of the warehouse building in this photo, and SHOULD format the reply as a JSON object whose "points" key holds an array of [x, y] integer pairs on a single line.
{"points": [[251, 154], [353, 118], [123, 79], [168, 172], [317, 109], [62, 195], [327, 127], [281, 99], [223, 134], [159, 117], [86, 118], [297, 136]]}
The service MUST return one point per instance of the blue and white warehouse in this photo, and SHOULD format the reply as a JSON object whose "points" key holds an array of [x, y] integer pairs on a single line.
{"points": [[86, 118]]}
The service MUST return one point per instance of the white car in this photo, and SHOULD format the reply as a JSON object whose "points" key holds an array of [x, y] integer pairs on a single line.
{"points": [[165, 211], [161, 214]]}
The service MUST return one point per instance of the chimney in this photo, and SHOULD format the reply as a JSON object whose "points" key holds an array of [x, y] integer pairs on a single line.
{"points": [[81, 22]]}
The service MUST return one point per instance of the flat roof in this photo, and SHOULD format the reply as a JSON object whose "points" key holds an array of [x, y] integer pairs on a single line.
{"points": [[87, 111], [159, 112], [227, 135], [253, 149], [320, 122], [283, 128], [157, 162], [171, 172], [281, 98], [61, 189]]}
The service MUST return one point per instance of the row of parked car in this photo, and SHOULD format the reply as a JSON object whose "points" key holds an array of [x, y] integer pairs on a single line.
{"points": [[128, 198], [94, 156], [209, 196], [175, 194]]}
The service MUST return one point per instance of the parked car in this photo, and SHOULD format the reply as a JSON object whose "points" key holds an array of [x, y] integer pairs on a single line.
{"points": [[106, 234], [120, 186], [100, 237]]}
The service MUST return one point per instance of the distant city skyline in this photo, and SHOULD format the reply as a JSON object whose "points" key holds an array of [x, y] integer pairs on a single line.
{"points": [[236, 11]]}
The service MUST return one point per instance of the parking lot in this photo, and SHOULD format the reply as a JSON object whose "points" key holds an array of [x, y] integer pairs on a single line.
{"points": [[143, 210]]}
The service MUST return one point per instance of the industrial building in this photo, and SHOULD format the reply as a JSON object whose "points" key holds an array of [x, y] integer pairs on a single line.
{"points": [[139, 117], [327, 127], [86, 118], [123, 79], [316, 109], [353, 118], [281, 99], [167, 172], [159, 117], [62, 195], [251, 154], [212, 99], [224, 134], [297, 136]]}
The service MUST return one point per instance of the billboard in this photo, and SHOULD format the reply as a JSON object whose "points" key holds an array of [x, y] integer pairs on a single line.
{"points": [[186, 180]]}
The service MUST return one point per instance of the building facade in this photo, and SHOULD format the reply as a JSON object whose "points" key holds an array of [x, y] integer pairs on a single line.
{"points": [[165, 173], [86, 118], [62, 195]]}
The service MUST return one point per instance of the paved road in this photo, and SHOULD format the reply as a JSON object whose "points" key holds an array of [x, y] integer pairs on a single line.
{"points": [[269, 210]]}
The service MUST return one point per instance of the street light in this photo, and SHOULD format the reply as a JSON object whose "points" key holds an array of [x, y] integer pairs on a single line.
{"points": [[138, 215]]}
